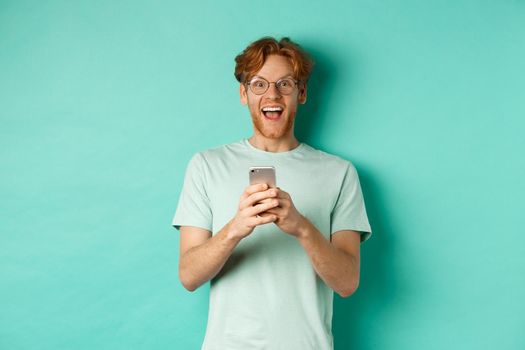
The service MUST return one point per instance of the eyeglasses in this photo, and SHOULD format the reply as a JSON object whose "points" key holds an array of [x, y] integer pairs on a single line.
{"points": [[260, 85]]}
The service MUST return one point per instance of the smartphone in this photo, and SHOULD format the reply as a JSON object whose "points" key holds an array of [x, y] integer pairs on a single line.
{"points": [[262, 174]]}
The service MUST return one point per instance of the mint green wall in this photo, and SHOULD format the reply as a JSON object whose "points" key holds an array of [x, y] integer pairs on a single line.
{"points": [[103, 103]]}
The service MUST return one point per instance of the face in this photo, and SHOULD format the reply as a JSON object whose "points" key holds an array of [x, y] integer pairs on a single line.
{"points": [[280, 126]]}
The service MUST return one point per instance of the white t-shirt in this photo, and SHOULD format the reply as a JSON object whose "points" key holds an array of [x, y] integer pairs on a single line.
{"points": [[268, 295]]}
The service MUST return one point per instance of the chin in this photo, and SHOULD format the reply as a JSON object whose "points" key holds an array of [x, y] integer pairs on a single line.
{"points": [[277, 132]]}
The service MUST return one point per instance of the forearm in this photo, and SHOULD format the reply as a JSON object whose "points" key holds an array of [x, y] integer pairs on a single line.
{"points": [[200, 264], [339, 270]]}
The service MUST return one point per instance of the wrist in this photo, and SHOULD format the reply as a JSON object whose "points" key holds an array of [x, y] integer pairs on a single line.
{"points": [[231, 235], [303, 230]]}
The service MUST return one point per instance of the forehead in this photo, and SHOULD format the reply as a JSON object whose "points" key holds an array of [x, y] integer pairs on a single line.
{"points": [[275, 67]]}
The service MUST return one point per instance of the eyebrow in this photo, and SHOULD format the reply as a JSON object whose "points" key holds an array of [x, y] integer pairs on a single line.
{"points": [[284, 76]]}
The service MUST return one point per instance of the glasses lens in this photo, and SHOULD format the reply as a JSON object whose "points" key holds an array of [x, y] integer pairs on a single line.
{"points": [[259, 85], [286, 86]]}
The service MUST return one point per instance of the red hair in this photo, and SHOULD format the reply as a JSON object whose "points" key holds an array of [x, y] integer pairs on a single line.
{"points": [[251, 60]]}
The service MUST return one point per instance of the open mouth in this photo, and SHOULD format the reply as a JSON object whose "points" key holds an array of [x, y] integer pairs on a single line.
{"points": [[272, 113]]}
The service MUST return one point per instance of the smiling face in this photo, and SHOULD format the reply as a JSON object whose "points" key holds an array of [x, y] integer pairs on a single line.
{"points": [[274, 125]]}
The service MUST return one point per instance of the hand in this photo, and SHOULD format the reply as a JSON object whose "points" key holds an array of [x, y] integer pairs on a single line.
{"points": [[288, 218], [247, 215]]}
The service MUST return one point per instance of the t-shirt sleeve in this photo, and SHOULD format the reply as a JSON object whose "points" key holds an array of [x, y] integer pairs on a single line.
{"points": [[194, 208], [349, 212]]}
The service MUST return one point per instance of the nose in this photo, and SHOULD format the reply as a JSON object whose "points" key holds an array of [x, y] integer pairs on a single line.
{"points": [[273, 92]]}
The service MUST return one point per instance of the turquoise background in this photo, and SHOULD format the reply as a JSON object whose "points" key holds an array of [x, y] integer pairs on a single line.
{"points": [[103, 104]]}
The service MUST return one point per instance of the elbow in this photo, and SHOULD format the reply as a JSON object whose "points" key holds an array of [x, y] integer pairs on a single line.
{"points": [[187, 286], [186, 282], [349, 290]]}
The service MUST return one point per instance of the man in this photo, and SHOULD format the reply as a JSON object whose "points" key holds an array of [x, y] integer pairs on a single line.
{"points": [[274, 255]]}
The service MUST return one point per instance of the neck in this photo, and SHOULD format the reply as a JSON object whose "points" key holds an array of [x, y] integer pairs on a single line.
{"points": [[274, 145]]}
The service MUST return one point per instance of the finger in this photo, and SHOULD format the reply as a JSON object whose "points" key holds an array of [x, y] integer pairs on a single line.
{"points": [[260, 220], [252, 189], [259, 208], [266, 200], [276, 210], [252, 199], [256, 197], [261, 197], [272, 211]]}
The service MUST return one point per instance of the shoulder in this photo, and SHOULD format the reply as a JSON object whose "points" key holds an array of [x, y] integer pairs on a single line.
{"points": [[205, 156], [331, 160]]}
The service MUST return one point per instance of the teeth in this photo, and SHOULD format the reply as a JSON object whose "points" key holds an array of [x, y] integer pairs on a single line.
{"points": [[268, 109]]}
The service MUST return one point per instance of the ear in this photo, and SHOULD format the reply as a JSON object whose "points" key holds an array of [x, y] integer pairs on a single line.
{"points": [[243, 94], [302, 94]]}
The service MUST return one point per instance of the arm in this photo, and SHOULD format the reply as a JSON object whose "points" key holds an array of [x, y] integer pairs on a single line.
{"points": [[338, 262], [202, 255]]}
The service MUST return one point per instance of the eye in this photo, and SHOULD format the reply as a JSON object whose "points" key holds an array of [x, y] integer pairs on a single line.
{"points": [[285, 83], [258, 83]]}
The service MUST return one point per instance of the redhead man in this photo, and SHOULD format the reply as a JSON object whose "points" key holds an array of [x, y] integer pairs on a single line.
{"points": [[273, 255]]}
